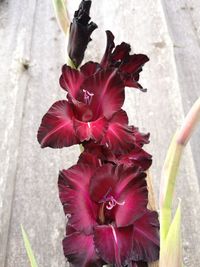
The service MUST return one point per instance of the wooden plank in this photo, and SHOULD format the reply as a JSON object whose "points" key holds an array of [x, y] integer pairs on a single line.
{"points": [[16, 36], [159, 111]]}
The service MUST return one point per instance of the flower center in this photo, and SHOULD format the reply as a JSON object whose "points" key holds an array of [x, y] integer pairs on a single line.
{"points": [[87, 97], [108, 202], [113, 202]]}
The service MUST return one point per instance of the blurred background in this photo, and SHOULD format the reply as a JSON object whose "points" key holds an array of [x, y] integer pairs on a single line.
{"points": [[32, 52]]}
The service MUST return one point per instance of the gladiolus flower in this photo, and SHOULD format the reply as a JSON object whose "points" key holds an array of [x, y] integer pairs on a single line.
{"points": [[91, 112], [106, 207]]}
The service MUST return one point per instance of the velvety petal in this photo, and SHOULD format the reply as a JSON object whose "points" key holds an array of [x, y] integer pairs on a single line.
{"points": [[80, 32], [140, 138], [114, 244], [80, 251], [103, 182], [129, 81], [134, 63], [89, 68], [108, 93], [109, 47], [146, 237], [119, 137], [136, 157], [74, 194], [91, 130], [56, 129], [128, 66], [131, 190], [121, 52], [71, 80], [90, 159]]}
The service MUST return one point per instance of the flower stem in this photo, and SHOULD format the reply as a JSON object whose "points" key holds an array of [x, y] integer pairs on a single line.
{"points": [[170, 170]]}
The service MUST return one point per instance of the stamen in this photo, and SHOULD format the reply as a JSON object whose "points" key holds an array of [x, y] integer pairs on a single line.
{"points": [[113, 202], [87, 97]]}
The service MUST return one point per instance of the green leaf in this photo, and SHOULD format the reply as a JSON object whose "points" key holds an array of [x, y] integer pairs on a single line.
{"points": [[170, 254], [28, 248]]}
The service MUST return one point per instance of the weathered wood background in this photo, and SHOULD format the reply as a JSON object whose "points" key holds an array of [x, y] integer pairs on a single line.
{"points": [[31, 55]]}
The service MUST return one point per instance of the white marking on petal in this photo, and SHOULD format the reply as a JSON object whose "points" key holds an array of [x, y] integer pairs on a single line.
{"points": [[114, 233]]}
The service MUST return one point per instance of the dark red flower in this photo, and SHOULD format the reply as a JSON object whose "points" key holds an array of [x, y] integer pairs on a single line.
{"points": [[91, 112], [80, 32], [128, 66], [107, 204], [132, 155]]}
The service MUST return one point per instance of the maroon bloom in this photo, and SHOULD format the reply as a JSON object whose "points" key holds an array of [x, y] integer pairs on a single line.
{"points": [[128, 66], [132, 155], [80, 32], [92, 110], [107, 204]]}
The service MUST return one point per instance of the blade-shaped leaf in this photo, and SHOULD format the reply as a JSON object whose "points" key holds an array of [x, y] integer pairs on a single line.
{"points": [[28, 248], [170, 254]]}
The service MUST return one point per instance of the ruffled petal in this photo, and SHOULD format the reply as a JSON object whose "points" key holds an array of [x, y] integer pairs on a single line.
{"points": [[107, 92], [109, 47], [94, 130], [119, 136], [56, 129], [131, 190], [103, 182], [128, 66], [146, 237], [134, 64], [89, 68], [71, 80], [113, 244], [80, 251], [89, 159], [140, 138], [74, 194], [136, 157], [121, 52]]}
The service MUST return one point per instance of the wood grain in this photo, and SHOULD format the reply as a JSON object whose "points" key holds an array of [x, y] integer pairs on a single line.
{"points": [[32, 54]]}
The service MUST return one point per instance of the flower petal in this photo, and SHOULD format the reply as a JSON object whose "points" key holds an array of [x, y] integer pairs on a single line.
{"points": [[71, 80], [80, 251], [146, 237], [89, 68], [109, 47], [103, 181], [134, 64], [119, 137], [90, 130], [74, 194], [56, 129], [132, 190], [121, 52], [136, 157], [113, 244], [108, 92]]}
